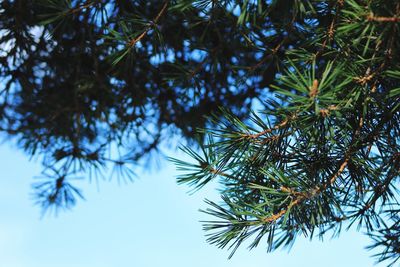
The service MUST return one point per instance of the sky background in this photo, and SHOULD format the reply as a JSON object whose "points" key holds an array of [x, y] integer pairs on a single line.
{"points": [[149, 223]]}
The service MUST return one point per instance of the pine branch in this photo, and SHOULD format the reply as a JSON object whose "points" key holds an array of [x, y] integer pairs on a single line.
{"points": [[310, 194], [302, 196], [381, 189], [133, 42], [383, 19], [83, 6], [270, 130], [332, 26]]}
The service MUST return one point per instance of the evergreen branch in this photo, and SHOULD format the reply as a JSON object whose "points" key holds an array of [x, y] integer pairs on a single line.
{"points": [[269, 56], [82, 6], [383, 19], [331, 30], [269, 130], [274, 138], [379, 191], [382, 188], [302, 196], [275, 50], [220, 173], [321, 68], [199, 67], [133, 42]]}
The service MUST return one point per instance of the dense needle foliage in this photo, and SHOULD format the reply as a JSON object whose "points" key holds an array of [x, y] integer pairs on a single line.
{"points": [[89, 83], [323, 152]]}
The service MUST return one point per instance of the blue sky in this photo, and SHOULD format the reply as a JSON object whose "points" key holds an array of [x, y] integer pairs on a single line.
{"points": [[150, 223]]}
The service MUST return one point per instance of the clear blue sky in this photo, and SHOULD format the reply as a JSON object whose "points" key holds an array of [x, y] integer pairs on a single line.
{"points": [[150, 223]]}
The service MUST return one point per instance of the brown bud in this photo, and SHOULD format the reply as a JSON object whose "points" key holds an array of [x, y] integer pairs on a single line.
{"points": [[314, 89]]}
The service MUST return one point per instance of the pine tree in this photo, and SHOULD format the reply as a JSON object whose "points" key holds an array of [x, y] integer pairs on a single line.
{"points": [[322, 153], [81, 78]]}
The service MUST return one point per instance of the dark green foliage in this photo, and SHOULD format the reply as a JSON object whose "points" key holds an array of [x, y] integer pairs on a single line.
{"points": [[323, 152], [80, 77], [86, 84]]}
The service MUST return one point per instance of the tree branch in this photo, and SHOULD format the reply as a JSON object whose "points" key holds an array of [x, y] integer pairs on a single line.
{"points": [[82, 6], [133, 42], [383, 19], [302, 196]]}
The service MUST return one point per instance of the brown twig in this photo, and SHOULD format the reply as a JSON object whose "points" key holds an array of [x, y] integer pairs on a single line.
{"points": [[302, 196], [276, 48], [381, 188], [331, 29], [81, 7], [383, 19], [269, 130], [206, 166], [134, 41], [268, 56], [214, 171]]}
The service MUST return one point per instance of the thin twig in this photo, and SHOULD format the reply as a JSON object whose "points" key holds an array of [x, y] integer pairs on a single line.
{"points": [[383, 19], [82, 6], [331, 29], [269, 130], [302, 196], [133, 42]]}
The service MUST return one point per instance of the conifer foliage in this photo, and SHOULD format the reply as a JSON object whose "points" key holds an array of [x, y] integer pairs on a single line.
{"points": [[323, 152], [81, 78]]}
